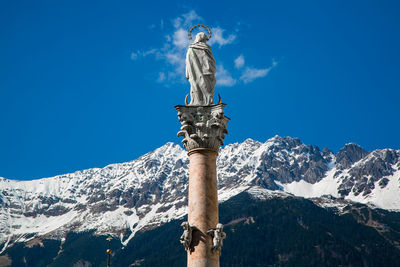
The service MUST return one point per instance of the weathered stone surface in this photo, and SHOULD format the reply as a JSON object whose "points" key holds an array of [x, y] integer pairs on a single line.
{"points": [[218, 236], [203, 207], [186, 237], [202, 126]]}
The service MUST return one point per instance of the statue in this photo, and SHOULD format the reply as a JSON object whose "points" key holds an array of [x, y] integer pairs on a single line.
{"points": [[218, 236], [186, 237], [200, 70]]}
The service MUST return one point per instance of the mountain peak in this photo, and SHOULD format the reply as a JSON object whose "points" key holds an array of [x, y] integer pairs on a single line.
{"points": [[349, 154], [251, 142], [275, 139], [277, 142]]}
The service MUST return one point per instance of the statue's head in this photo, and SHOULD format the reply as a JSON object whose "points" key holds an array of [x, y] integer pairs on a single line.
{"points": [[220, 226], [201, 37]]}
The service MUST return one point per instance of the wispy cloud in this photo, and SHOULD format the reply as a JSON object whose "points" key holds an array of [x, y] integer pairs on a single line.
{"points": [[180, 39], [134, 56], [186, 20], [239, 62], [142, 54], [161, 77], [250, 74], [218, 38], [224, 78]]}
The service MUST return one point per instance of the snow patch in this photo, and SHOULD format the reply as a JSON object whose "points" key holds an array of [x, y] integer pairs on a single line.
{"points": [[326, 186]]}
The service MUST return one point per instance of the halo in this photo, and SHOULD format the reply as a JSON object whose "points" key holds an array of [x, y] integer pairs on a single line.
{"points": [[199, 25]]}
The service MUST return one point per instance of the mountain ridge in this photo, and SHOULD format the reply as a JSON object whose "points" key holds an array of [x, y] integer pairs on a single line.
{"points": [[124, 198]]}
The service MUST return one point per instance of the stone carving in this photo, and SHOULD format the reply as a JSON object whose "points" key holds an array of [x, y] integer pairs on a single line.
{"points": [[200, 71], [186, 237], [202, 126], [218, 236]]}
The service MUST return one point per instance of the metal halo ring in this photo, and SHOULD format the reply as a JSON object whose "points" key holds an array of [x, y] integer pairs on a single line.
{"points": [[199, 25]]}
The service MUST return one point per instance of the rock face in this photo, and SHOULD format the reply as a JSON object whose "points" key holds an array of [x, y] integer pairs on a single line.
{"points": [[151, 190], [348, 155], [361, 177], [283, 160]]}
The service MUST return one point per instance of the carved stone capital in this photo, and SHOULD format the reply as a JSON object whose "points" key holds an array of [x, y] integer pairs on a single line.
{"points": [[202, 126]]}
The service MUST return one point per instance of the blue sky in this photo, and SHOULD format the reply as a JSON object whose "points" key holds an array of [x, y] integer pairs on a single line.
{"points": [[88, 83]]}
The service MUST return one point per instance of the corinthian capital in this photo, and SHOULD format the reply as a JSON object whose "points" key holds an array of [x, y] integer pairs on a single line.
{"points": [[202, 126]]}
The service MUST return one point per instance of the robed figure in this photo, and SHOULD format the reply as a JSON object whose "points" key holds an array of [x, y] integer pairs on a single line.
{"points": [[200, 71]]}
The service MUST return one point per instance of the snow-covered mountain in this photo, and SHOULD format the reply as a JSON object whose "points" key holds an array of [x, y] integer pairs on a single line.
{"points": [[144, 193]]}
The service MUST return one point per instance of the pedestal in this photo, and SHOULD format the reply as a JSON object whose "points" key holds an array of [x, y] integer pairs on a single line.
{"points": [[203, 129]]}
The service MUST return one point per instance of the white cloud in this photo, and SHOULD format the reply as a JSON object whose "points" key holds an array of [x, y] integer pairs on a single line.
{"points": [[239, 62], [142, 54], [218, 38], [161, 77], [186, 20], [224, 78], [250, 74], [180, 38], [176, 60], [149, 52]]}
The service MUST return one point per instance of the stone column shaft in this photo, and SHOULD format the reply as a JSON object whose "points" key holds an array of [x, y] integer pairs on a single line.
{"points": [[203, 206]]}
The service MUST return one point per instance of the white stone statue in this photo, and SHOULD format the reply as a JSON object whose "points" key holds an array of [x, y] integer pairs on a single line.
{"points": [[186, 237], [200, 71], [218, 236]]}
